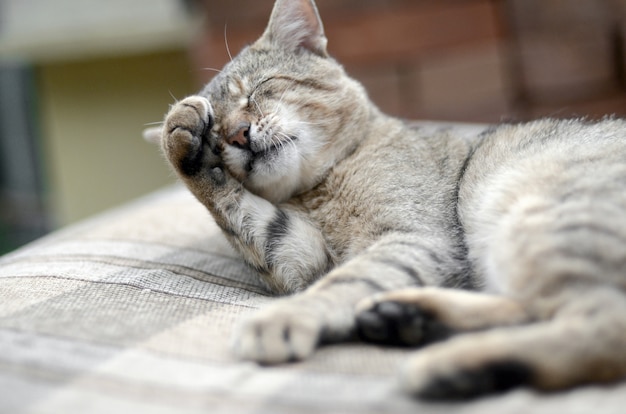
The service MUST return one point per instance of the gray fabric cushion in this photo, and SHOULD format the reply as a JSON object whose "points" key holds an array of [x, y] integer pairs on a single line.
{"points": [[132, 312]]}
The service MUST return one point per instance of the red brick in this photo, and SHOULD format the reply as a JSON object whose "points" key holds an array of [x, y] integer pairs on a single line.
{"points": [[464, 81], [235, 13], [617, 8], [383, 85], [553, 16], [485, 113], [417, 57], [211, 49], [411, 30], [614, 104], [561, 69], [371, 34]]}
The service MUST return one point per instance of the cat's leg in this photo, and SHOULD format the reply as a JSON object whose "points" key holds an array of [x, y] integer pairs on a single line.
{"points": [[418, 316], [291, 328], [288, 250], [585, 343], [564, 261]]}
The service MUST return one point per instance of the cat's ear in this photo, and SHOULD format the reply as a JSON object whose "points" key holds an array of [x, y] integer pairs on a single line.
{"points": [[296, 24], [153, 135]]}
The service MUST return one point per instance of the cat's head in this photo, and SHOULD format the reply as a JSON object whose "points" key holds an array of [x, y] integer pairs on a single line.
{"points": [[284, 112]]}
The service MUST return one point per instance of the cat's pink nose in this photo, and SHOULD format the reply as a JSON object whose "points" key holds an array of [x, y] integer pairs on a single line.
{"points": [[240, 138]]}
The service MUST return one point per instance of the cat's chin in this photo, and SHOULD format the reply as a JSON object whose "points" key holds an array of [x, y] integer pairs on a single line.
{"points": [[274, 174], [274, 189]]}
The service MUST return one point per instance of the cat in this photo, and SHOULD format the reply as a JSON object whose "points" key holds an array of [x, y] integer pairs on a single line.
{"points": [[504, 253]]}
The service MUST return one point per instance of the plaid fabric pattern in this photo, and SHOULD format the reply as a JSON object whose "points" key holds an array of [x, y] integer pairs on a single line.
{"points": [[132, 312]]}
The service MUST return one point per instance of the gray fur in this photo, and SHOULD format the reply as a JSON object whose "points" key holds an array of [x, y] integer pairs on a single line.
{"points": [[334, 201]]}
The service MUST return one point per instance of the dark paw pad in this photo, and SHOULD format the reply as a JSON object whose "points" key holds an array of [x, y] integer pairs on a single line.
{"points": [[204, 161], [218, 176], [401, 324], [492, 378], [191, 164]]}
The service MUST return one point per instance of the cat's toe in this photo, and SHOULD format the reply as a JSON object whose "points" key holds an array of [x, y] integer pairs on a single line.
{"points": [[218, 176], [192, 114], [276, 336], [391, 323], [185, 129], [398, 323]]}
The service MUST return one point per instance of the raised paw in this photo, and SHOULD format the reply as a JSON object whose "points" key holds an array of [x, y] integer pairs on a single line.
{"points": [[277, 334], [398, 323], [185, 135]]}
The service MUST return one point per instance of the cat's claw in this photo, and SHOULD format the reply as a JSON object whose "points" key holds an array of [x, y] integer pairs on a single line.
{"points": [[277, 334]]}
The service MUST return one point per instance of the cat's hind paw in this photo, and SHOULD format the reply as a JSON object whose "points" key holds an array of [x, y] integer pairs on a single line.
{"points": [[463, 368], [493, 378]]}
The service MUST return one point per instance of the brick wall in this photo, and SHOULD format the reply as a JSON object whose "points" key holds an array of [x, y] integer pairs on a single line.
{"points": [[464, 60], [569, 56]]}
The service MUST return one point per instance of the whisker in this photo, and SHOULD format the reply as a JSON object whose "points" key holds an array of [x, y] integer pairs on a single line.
{"points": [[291, 142], [213, 69], [173, 97], [309, 123], [282, 134], [283, 142], [273, 141], [154, 123], [276, 142], [226, 42], [287, 141], [257, 106], [280, 101]]}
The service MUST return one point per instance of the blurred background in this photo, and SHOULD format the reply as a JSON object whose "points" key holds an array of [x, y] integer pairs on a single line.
{"points": [[80, 79]]}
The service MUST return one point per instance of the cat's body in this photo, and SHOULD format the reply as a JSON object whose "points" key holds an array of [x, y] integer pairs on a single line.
{"points": [[326, 196]]}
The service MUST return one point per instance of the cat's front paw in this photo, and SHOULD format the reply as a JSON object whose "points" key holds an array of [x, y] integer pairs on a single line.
{"points": [[185, 137], [279, 333]]}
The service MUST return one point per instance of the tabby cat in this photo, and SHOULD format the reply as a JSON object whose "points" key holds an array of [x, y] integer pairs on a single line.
{"points": [[510, 245]]}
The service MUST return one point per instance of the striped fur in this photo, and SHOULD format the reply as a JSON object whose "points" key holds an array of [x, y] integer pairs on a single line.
{"points": [[332, 200]]}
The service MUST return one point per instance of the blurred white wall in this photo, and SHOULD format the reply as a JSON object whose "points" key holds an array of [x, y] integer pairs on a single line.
{"points": [[102, 71]]}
